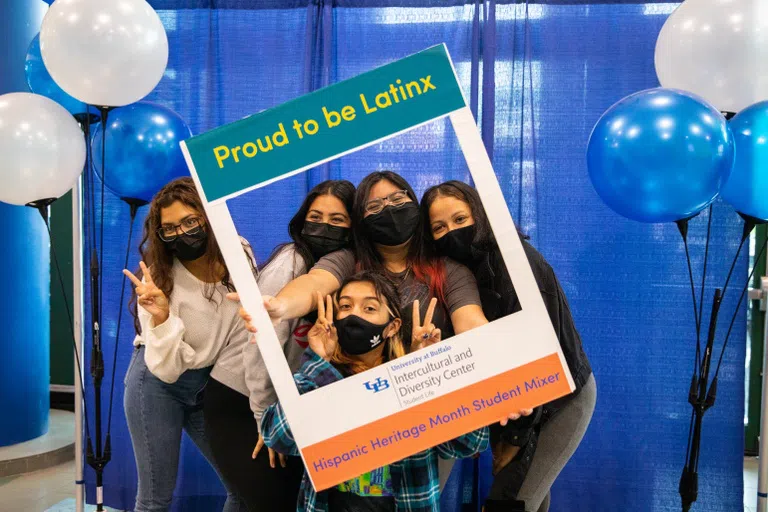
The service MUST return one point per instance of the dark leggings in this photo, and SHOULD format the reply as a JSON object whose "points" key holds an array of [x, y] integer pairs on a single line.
{"points": [[231, 430]]}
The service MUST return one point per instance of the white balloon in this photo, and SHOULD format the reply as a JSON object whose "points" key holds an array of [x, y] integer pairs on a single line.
{"points": [[42, 149], [104, 52], [717, 49]]}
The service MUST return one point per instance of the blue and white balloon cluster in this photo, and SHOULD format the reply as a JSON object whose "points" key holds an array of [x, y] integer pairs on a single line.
{"points": [[665, 154], [91, 54]]}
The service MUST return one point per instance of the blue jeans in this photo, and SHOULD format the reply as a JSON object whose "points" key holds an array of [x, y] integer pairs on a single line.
{"points": [[156, 413]]}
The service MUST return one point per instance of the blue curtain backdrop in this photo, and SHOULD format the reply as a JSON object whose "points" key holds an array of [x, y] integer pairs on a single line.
{"points": [[538, 77]]}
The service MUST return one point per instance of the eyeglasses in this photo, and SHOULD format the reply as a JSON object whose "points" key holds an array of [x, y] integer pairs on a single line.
{"points": [[188, 226], [395, 199]]}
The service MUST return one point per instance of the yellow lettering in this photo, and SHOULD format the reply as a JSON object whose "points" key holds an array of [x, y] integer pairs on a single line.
{"points": [[221, 153], [297, 127], [332, 118], [415, 86], [283, 136], [348, 113], [261, 146], [394, 93], [367, 109], [383, 100], [310, 126], [427, 83], [249, 149], [234, 154]]}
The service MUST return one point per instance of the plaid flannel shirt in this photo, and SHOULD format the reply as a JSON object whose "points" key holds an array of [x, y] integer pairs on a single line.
{"points": [[415, 478]]}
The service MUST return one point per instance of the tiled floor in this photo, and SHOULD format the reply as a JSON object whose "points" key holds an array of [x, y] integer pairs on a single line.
{"points": [[750, 484], [55, 447], [53, 489]]}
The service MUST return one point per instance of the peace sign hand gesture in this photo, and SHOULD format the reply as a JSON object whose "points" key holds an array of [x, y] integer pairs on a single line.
{"points": [[150, 297], [323, 337], [424, 335]]}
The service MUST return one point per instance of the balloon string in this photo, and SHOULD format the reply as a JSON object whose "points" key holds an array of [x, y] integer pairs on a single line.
{"points": [[696, 309], [697, 324], [704, 273], [736, 311], [733, 264], [119, 319], [104, 112], [63, 288]]}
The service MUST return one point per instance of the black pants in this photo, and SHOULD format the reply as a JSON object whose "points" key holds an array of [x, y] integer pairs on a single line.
{"points": [[231, 430]]}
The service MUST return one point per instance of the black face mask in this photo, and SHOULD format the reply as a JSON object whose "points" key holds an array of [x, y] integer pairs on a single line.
{"points": [[323, 238], [457, 244], [359, 336], [394, 225], [188, 247]]}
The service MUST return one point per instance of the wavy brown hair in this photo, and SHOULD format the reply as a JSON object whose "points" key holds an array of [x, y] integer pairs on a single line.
{"points": [[387, 295], [158, 257]]}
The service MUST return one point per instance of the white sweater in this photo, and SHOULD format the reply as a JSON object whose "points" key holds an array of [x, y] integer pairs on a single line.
{"points": [[292, 334], [195, 333]]}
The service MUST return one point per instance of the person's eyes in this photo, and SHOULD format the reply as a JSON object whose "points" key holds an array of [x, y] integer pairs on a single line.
{"points": [[461, 219], [338, 220], [315, 217], [191, 222], [370, 309], [437, 228], [344, 307]]}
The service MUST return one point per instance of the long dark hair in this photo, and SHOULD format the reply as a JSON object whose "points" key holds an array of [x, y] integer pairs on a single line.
{"points": [[157, 255], [343, 190], [425, 266], [385, 292], [484, 239]]}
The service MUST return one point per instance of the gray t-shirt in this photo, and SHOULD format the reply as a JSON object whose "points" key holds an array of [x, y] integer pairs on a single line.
{"points": [[460, 289]]}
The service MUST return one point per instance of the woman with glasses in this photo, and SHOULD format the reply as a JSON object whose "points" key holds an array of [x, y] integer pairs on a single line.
{"points": [[386, 225], [183, 324]]}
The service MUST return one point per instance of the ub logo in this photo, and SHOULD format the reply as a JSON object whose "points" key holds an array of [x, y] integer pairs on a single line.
{"points": [[378, 385]]}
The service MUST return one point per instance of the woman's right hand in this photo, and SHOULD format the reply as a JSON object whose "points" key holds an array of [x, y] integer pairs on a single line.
{"points": [[274, 306], [424, 334], [323, 337], [149, 296], [272, 454]]}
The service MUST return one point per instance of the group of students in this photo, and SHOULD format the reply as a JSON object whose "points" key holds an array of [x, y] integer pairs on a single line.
{"points": [[370, 275]]}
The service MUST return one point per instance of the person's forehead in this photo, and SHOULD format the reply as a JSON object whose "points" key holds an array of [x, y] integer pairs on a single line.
{"points": [[359, 290], [175, 212], [382, 188]]}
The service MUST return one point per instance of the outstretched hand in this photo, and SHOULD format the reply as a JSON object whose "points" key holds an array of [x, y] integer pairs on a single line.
{"points": [[426, 334], [323, 337], [150, 297]]}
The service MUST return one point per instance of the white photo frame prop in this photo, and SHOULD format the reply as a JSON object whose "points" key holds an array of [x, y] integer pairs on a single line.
{"points": [[510, 364]]}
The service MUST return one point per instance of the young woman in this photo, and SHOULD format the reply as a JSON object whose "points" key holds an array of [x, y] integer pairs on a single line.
{"points": [[388, 236], [365, 333], [527, 457], [183, 321], [321, 225]]}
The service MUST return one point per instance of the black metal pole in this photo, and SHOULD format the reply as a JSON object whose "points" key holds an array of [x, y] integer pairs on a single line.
{"points": [[699, 400]]}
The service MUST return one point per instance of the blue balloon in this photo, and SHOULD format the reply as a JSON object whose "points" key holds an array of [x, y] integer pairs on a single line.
{"points": [[142, 152], [660, 155], [747, 187], [40, 81]]}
